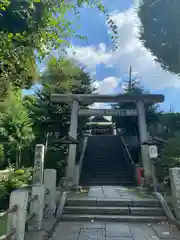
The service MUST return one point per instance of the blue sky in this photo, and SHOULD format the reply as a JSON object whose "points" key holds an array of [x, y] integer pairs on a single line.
{"points": [[110, 69]]}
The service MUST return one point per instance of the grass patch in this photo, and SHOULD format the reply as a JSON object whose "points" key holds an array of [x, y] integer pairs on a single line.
{"points": [[3, 222]]}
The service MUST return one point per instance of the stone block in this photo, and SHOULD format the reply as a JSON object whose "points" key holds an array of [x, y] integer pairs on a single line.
{"points": [[41, 235], [175, 188], [119, 238], [117, 230], [92, 234], [49, 225], [143, 231], [66, 231]]}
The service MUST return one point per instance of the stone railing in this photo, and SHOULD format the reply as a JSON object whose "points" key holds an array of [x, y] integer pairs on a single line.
{"points": [[27, 208], [171, 206]]}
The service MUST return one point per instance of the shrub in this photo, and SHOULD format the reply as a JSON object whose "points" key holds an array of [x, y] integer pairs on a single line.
{"points": [[18, 179]]}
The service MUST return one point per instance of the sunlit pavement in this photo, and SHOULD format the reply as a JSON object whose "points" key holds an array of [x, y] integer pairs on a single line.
{"points": [[114, 231]]}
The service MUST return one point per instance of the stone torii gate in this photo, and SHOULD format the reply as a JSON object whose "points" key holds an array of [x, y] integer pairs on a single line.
{"points": [[78, 100]]}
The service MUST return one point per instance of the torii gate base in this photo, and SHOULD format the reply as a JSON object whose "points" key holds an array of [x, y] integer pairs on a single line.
{"points": [[83, 99]]}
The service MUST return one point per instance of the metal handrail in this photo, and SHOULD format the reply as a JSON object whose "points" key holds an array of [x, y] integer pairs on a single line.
{"points": [[125, 145], [127, 150]]}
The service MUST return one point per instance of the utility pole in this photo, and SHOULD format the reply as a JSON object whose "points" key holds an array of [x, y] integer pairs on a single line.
{"points": [[130, 79]]}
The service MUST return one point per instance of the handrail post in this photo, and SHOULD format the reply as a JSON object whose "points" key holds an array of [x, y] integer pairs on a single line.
{"points": [[16, 221], [50, 185], [37, 208]]}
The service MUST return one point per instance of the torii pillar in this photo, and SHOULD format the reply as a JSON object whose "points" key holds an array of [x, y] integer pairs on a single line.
{"points": [[144, 137], [70, 170]]}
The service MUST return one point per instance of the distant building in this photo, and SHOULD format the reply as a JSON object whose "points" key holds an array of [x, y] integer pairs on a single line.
{"points": [[101, 126]]}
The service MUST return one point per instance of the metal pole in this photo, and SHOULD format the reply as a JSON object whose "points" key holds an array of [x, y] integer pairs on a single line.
{"points": [[154, 177], [130, 79]]}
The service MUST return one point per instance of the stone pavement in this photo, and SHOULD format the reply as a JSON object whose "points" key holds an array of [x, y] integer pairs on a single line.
{"points": [[114, 231], [95, 230], [111, 192]]}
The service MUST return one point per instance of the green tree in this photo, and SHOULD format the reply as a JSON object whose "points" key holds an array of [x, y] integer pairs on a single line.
{"points": [[51, 122], [159, 31], [35, 26], [169, 156], [130, 124], [15, 128], [168, 125]]}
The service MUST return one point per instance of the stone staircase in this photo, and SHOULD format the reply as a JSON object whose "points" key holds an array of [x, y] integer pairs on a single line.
{"points": [[113, 211], [104, 163]]}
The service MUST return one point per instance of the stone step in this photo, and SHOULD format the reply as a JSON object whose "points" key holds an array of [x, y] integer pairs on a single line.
{"points": [[102, 169], [107, 182], [105, 166], [99, 173], [107, 174], [137, 211], [104, 162], [112, 203], [96, 210], [113, 218]]}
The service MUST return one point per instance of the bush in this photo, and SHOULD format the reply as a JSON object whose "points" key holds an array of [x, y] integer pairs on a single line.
{"points": [[18, 179], [169, 157]]}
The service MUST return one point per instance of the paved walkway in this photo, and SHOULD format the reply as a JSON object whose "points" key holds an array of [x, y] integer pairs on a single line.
{"points": [[111, 192], [114, 231]]}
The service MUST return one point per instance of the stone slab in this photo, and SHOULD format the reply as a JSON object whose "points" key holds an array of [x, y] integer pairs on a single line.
{"points": [[93, 233], [49, 225], [112, 231], [119, 238], [92, 224], [96, 192], [42, 235], [165, 232], [110, 192], [143, 232], [64, 236], [117, 230], [66, 231]]}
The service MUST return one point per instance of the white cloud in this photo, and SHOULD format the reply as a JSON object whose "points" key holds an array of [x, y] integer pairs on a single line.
{"points": [[107, 85], [130, 52], [91, 56]]}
